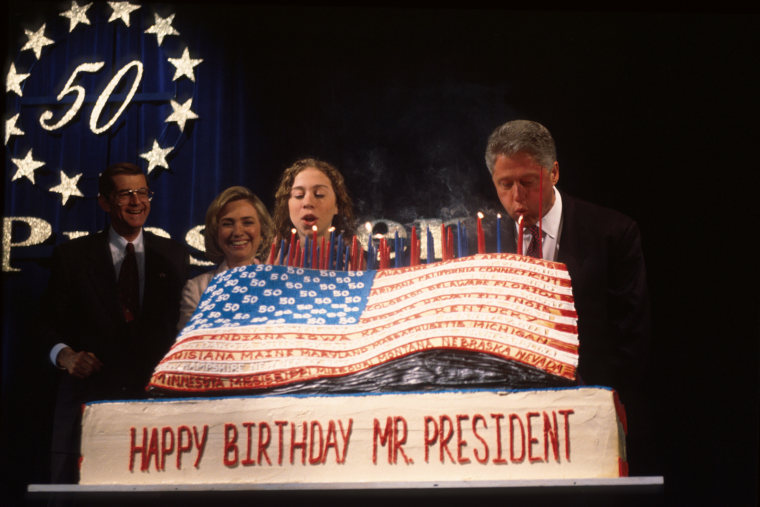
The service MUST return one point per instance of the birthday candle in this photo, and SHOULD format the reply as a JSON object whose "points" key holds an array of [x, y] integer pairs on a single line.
{"points": [[323, 255], [282, 251], [397, 250], [413, 247], [465, 242], [498, 232], [330, 250], [459, 239], [270, 259], [481, 237], [339, 251], [347, 259], [304, 254], [520, 235], [297, 253], [430, 250], [354, 253], [291, 251]]}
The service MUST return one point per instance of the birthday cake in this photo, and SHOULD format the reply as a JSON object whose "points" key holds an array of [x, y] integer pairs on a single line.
{"points": [[452, 370]]}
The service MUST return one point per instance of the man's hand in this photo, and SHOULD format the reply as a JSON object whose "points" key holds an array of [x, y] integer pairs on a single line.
{"points": [[79, 364]]}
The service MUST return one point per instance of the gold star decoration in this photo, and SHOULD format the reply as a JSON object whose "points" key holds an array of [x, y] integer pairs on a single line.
{"points": [[36, 41], [184, 65], [181, 114], [156, 157], [162, 27], [121, 10], [26, 167], [76, 15], [67, 188], [11, 129], [13, 81]]}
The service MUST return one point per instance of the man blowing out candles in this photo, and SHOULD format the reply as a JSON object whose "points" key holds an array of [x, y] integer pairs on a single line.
{"points": [[601, 248]]}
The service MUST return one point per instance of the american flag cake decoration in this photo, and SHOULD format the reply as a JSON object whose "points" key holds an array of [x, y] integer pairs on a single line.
{"points": [[263, 326]]}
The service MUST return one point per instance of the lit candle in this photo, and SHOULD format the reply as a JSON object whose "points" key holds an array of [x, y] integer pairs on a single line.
{"points": [[330, 251], [292, 249], [314, 248], [520, 235], [498, 232], [347, 258], [481, 237]]}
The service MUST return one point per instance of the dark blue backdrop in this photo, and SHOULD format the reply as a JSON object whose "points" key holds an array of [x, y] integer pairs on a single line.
{"points": [[652, 113]]}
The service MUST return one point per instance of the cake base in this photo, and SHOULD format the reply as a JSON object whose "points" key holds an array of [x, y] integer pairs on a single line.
{"points": [[446, 436]]}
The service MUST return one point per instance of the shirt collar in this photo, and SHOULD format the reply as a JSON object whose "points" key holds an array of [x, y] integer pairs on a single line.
{"points": [[551, 220], [120, 243]]}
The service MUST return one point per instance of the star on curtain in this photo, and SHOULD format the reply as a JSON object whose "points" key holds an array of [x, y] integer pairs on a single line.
{"points": [[36, 41], [122, 10], [181, 114], [76, 14], [67, 188], [162, 27]]}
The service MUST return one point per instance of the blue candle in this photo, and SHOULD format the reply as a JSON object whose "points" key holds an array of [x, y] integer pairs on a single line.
{"points": [[498, 232], [459, 239], [307, 251], [430, 249], [466, 246], [347, 259], [330, 249]]}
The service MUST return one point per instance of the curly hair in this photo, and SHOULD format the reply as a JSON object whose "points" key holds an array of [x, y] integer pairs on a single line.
{"points": [[213, 250], [343, 221]]}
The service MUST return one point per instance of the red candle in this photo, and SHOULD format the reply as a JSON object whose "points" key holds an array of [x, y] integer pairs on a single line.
{"points": [[481, 237], [450, 245], [323, 255], [297, 253], [413, 247], [292, 247], [520, 235], [314, 248], [270, 260]]}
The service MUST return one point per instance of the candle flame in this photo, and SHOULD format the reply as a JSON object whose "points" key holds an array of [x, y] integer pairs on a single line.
{"points": [[314, 228], [480, 215], [293, 230], [331, 229], [498, 215], [520, 220], [368, 226]]}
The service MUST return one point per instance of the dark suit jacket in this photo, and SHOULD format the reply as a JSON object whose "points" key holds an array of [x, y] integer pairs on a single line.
{"points": [[81, 309], [602, 250]]}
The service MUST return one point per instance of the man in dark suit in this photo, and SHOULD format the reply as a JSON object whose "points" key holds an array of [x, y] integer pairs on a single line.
{"points": [[110, 309], [601, 248]]}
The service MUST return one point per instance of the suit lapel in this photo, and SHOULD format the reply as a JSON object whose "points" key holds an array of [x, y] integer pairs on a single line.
{"points": [[102, 275]]}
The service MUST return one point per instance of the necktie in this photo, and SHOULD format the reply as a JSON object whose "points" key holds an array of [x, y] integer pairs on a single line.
{"points": [[129, 292], [533, 247]]}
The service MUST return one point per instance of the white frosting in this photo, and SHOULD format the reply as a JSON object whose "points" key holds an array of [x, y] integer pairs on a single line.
{"points": [[344, 433]]}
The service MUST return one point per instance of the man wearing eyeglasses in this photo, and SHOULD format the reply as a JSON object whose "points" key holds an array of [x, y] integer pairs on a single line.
{"points": [[110, 309]]}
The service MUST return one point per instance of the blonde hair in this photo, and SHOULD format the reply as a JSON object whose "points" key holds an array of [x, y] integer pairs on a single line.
{"points": [[213, 250]]}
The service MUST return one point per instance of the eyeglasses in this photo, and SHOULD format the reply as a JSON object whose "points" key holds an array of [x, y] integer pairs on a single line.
{"points": [[142, 194]]}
